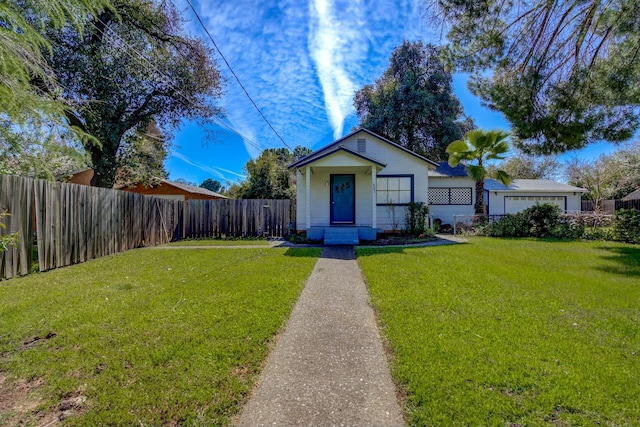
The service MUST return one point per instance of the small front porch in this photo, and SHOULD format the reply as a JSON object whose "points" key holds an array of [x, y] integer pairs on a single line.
{"points": [[337, 197]]}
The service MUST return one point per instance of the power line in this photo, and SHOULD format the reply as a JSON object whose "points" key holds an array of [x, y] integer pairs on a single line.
{"points": [[235, 75], [179, 92]]}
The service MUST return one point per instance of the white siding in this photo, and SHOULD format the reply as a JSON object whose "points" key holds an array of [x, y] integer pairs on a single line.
{"points": [[398, 163], [301, 200], [497, 200], [447, 212]]}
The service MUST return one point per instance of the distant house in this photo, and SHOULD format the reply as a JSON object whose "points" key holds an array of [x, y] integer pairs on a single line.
{"points": [[632, 196], [174, 190], [165, 189]]}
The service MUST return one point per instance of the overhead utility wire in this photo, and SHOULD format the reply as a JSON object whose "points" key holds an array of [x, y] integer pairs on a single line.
{"points": [[130, 48], [234, 75]]}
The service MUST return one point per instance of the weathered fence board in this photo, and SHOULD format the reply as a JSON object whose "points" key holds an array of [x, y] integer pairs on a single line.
{"points": [[74, 223], [16, 198], [610, 206], [237, 218]]}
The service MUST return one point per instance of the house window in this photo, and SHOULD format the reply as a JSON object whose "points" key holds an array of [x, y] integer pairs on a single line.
{"points": [[362, 146], [394, 190], [450, 196]]}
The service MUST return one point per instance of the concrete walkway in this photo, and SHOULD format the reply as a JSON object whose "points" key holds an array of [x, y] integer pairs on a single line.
{"points": [[329, 367]]}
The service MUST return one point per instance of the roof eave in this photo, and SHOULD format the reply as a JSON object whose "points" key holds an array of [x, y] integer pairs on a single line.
{"points": [[551, 190], [338, 141], [345, 149]]}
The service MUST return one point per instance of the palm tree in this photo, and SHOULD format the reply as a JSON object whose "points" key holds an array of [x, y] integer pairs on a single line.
{"points": [[479, 145]]}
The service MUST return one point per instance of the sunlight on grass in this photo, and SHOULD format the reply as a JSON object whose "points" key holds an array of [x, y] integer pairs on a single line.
{"points": [[512, 332], [148, 337], [221, 242]]}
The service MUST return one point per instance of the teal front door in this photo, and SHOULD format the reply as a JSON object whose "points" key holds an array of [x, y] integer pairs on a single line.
{"points": [[343, 199]]}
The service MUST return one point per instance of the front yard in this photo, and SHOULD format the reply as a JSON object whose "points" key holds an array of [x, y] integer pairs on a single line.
{"points": [[512, 332], [147, 337]]}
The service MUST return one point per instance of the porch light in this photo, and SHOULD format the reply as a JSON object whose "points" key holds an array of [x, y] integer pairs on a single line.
{"points": [[326, 183]]}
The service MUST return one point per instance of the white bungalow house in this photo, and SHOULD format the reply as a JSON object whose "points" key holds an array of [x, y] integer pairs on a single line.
{"points": [[359, 185]]}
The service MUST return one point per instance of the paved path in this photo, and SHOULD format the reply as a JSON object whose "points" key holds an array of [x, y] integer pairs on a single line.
{"points": [[329, 366]]}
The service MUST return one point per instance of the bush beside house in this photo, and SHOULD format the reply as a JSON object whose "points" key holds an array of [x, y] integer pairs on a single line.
{"points": [[626, 227], [547, 220]]}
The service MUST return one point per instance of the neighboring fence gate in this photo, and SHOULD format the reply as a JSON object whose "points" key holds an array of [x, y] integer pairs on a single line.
{"points": [[69, 223]]}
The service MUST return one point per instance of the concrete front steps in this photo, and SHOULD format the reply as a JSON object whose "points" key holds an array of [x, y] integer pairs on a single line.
{"points": [[341, 234]]}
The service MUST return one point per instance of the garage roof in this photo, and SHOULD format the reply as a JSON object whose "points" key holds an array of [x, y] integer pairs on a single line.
{"points": [[531, 185]]}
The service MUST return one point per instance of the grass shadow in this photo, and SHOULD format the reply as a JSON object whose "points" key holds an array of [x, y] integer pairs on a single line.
{"points": [[303, 252], [627, 259], [362, 252], [378, 250]]}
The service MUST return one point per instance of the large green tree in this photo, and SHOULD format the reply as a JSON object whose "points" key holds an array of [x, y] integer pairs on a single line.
{"points": [[141, 158], [268, 176], [212, 185], [477, 147], [26, 81], [413, 103], [523, 166], [34, 138], [610, 176], [39, 150], [564, 73], [130, 66]]}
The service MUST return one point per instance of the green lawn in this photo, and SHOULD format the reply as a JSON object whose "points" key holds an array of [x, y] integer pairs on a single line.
{"points": [[512, 332], [146, 337], [221, 242]]}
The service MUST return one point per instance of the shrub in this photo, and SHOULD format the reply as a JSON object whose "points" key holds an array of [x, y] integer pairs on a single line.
{"points": [[627, 226], [543, 219], [571, 231], [597, 233], [571, 226], [537, 221], [416, 218], [510, 225]]}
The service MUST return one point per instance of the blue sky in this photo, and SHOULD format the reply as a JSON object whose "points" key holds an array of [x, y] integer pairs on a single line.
{"points": [[301, 61]]}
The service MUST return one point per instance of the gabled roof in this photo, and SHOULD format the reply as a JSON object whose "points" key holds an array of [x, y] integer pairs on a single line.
{"points": [[444, 169], [184, 187], [531, 185], [193, 189], [632, 196], [306, 160], [335, 145]]}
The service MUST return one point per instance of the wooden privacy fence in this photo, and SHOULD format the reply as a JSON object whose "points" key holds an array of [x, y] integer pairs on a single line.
{"points": [[610, 206], [237, 218], [69, 223]]}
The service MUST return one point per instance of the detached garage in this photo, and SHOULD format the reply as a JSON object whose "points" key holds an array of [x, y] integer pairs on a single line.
{"points": [[524, 193], [452, 192]]}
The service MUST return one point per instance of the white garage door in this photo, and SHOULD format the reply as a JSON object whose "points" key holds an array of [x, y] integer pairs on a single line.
{"points": [[513, 204]]}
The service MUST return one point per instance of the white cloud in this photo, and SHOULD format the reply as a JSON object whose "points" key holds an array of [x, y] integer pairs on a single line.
{"points": [[265, 43], [210, 169], [334, 45], [302, 61], [350, 42]]}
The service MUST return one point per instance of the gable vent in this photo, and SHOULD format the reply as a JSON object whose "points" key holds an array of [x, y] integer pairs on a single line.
{"points": [[362, 146]]}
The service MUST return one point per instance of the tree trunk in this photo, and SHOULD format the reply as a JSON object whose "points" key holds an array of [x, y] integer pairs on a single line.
{"points": [[104, 160], [479, 205]]}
